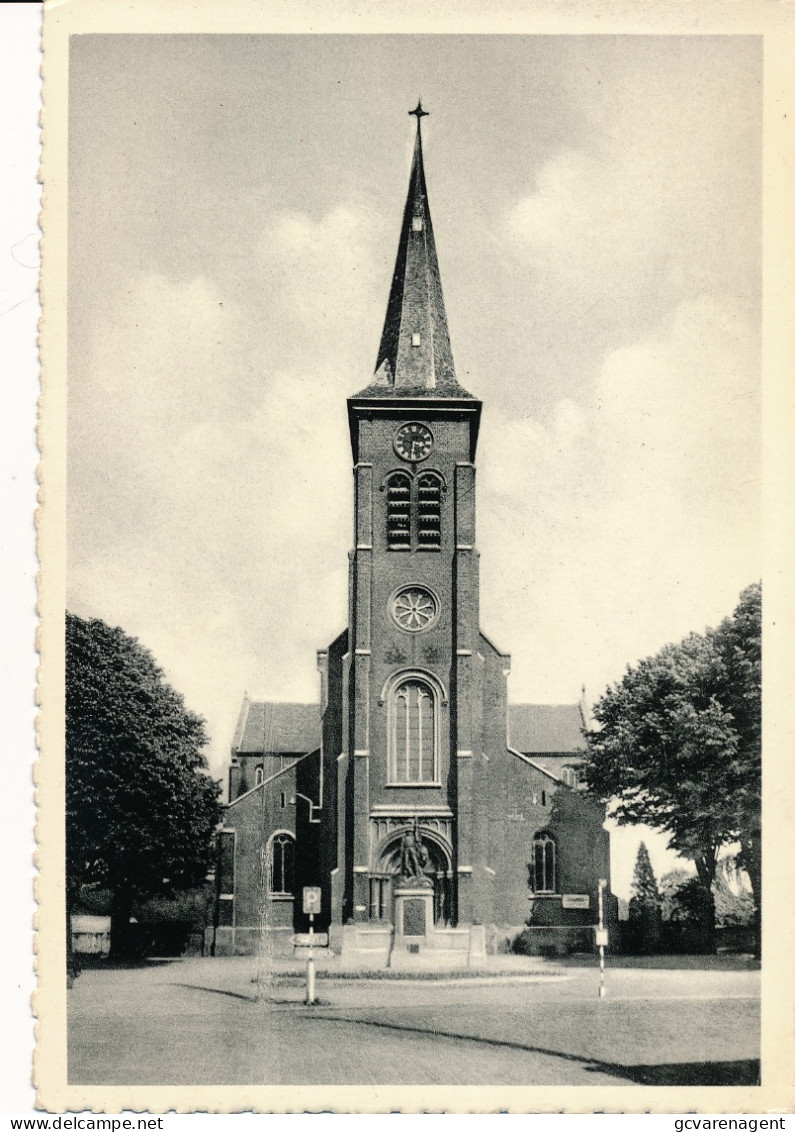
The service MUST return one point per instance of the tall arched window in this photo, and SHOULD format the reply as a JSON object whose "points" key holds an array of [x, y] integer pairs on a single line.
{"points": [[398, 512], [543, 865], [429, 512], [282, 865], [413, 756]]}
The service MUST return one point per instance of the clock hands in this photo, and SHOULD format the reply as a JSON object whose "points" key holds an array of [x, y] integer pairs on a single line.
{"points": [[413, 442]]}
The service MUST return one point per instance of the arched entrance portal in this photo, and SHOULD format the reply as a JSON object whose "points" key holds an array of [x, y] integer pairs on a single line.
{"points": [[439, 871]]}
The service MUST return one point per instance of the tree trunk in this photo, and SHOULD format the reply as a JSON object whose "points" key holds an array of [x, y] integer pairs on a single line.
{"points": [[72, 964], [751, 861], [120, 908], [705, 864]]}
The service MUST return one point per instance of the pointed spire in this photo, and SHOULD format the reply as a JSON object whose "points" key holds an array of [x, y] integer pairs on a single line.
{"points": [[415, 355]]}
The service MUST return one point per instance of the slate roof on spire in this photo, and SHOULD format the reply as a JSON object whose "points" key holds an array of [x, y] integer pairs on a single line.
{"points": [[415, 359]]}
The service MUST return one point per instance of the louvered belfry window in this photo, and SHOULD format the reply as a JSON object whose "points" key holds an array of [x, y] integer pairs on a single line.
{"points": [[398, 512], [429, 512], [414, 511]]}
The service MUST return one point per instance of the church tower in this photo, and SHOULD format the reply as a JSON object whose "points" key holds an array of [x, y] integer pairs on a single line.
{"points": [[415, 750]]}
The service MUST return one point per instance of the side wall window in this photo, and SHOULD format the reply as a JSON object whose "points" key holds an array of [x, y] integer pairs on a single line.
{"points": [[282, 865], [572, 776], [543, 868]]}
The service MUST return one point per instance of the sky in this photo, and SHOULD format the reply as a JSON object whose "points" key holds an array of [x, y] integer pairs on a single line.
{"points": [[235, 204]]}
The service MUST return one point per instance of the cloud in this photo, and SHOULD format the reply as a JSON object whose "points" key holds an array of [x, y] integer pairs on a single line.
{"points": [[589, 217], [209, 478], [660, 205], [319, 279], [629, 519], [634, 259], [682, 408]]}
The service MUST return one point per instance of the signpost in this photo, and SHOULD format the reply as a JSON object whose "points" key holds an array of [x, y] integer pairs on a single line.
{"points": [[311, 901], [576, 900], [312, 897], [316, 939], [601, 938]]}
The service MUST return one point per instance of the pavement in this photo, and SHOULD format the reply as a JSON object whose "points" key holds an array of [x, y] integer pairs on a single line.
{"points": [[523, 1022]]}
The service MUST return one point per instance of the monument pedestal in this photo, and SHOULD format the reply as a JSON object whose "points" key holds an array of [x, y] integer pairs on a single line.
{"points": [[413, 922], [414, 912], [419, 944]]}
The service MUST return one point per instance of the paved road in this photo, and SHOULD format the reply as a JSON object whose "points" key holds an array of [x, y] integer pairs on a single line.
{"points": [[200, 1023]]}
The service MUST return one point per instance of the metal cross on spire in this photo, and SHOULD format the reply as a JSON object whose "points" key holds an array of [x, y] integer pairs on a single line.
{"points": [[419, 113]]}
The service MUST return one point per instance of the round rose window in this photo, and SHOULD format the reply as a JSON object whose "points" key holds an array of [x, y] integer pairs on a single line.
{"points": [[414, 608]]}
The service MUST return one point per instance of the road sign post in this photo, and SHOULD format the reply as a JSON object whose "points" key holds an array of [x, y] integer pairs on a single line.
{"points": [[310, 965], [601, 938], [311, 902]]}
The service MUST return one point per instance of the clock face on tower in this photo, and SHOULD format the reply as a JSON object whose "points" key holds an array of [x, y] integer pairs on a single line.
{"points": [[413, 442]]}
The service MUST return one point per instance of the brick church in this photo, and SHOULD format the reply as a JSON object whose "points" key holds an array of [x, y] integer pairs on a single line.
{"points": [[433, 814]]}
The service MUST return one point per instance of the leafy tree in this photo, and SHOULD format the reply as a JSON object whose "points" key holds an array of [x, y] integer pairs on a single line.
{"points": [[645, 903], [683, 905], [692, 918], [734, 906], [678, 744], [740, 641], [670, 883], [140, 807]]}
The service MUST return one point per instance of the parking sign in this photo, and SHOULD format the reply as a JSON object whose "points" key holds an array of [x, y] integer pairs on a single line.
{"points": [[311, 901]]}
